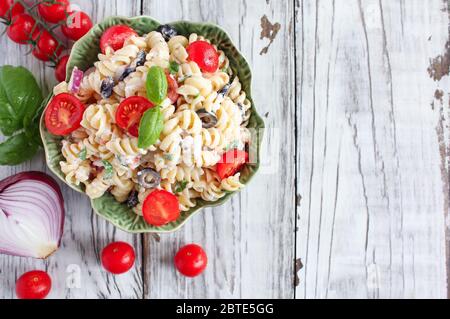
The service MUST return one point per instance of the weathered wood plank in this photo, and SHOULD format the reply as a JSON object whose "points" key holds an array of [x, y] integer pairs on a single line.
{"points": [[85, 234], [250, 240], [374, 195]]}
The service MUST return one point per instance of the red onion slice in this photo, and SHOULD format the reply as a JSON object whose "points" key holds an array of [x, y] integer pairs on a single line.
{"points": [[31, 215], [75, 80]]}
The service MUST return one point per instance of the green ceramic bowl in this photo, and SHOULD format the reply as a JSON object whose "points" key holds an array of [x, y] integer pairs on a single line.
{"points": [[84, 54]]}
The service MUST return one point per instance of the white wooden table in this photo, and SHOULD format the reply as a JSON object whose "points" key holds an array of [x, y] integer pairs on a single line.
{"points": [[355, 182]]}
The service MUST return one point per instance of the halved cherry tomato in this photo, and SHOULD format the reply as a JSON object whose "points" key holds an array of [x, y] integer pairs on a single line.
{"points": [[160, 208], [7, 12], [115, 36], [77, 25], [34, 284], [64, 113], [118, 257], [54, 13], [21, 27], [129, 113], [46, 45], [231, 162], [60, 70], [191, 260], [172, 88], [205, 55]]}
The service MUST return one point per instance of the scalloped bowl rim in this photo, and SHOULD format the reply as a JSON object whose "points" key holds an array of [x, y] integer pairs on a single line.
{"points": [[197, 208]]}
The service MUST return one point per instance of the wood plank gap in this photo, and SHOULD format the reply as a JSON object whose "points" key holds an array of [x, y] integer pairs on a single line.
{"points": [[296, 149]]}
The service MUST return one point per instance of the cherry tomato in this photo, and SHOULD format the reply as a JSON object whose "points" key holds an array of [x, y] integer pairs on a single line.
{"points": [[34, 284], [5, 9], [160, 208], [63, 114], [39, 55], [21, 27], [46, 46], [205, 55], [129, 113], [78, 24], [172, 88], [118, 257], [191, 260], [60, 70], [54, 13], [231, 162], [115, 36]]}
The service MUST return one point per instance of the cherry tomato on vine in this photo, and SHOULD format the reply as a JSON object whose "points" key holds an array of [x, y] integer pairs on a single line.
{"points": [[21, 27], [60, 69], [34, 284], [191, 260], [118, 257], [77, 24], [172, 88], [231, 162], [63, 114], [129, 113], [115, 36], [205, 55], [7, 12], [55, 12], [160, 208], [46, 46]]}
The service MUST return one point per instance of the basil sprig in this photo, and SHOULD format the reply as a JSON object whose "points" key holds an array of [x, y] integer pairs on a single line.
{"points": [[156, 85], [20, 110], [150, 127]]}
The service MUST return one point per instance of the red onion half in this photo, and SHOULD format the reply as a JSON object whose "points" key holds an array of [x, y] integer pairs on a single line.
{"points": [[31, 215]]}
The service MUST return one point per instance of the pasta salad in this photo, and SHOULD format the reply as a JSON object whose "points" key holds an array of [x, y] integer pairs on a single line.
{"points": [[159, 121]]}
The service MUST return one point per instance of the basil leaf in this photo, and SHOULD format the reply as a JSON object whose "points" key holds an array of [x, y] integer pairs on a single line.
{"points": [[17, 149], [150, 127], [109, 170], [174, 67], [82, 155], [181, 186], [156, 85], [20, 98]]}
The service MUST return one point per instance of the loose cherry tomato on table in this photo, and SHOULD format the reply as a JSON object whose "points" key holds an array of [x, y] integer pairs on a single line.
{"points": [[34, 284], [172, 88], [160, 208], [191, 260], [7, 12], [115, 36], [60, 70], [205, 55], [55, 12], [231, 162], [63, 114], [46, 46], [129, 113], [118, 257], [21, 28], [77, 24]]}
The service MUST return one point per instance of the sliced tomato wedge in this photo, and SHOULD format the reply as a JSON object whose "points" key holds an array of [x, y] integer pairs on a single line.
{"points": [[172, 88], [129, 113], [160, 208], [115, 36], [205, 55], [231, 162], [63, 114]]}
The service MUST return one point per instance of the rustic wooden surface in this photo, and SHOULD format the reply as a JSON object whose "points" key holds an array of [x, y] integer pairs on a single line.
{"points": [[353, 197]]}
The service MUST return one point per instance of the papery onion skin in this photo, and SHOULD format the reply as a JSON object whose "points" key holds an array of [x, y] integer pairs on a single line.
{"points": [[45, 251]]}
